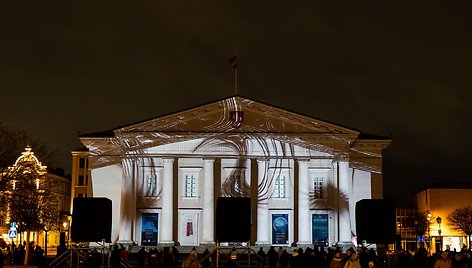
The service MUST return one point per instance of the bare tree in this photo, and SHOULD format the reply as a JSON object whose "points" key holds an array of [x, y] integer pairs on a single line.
{"points": [[49, 220], [14, 141], [422, 225], [461, 220]]}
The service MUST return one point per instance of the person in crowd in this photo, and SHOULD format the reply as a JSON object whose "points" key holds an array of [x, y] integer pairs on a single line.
{"points": [[38, 255], [124, 254], [2, 258], [443, 260], [353, 261], [261, 258], [141, 256], [420, 260], [233, 254], [273, 257], [191, 261], [284, 259], [337, 261], [207, 258], [167, 258], [96, 259], [296, 259], [175, 253], [115, 257], [348, 254]]}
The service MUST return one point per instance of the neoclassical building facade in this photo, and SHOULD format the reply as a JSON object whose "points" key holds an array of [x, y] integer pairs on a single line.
{"points": [[164, 175]]}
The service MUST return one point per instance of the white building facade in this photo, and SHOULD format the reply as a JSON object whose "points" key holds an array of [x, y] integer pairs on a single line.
{"points": [[303, 175]]}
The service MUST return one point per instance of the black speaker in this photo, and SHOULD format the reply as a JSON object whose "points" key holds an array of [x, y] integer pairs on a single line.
{"points": [[91, 220], [375, 221], [233, 219], [62, 240]]}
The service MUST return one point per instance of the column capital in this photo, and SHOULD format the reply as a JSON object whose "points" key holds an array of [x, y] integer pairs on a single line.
{"points": [[168, 160], [260, 160]]}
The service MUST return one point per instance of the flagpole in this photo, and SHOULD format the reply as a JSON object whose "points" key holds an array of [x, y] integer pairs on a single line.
{"points": [[234, 62]]}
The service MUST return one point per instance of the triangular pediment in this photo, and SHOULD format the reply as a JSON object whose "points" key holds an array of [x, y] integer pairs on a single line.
{"points": [[237, 115], [231, 120], [235, 118]]}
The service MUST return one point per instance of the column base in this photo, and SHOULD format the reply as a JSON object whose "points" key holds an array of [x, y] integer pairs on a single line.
{"points": [[127, 244], [263, 243], [303, 244], [169, 243], [208, 243]]}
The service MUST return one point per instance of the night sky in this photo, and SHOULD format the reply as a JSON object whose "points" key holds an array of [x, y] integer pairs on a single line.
{"points": [[401, 70]]}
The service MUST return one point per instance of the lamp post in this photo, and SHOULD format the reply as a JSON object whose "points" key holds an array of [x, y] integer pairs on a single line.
{"points": [[66, 228], [417, 233], [428, 217], [438, 220]]}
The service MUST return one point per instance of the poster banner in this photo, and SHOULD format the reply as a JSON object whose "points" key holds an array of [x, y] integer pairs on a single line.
{"points": [[188, 234], [149, 229], [280, 229], [319, 225]]}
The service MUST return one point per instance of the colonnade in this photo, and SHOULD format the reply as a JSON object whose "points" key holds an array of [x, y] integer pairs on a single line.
{"points": [[341, 172]]}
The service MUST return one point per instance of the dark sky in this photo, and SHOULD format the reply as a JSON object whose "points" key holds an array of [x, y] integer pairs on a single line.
{"points": [[401, 69]]}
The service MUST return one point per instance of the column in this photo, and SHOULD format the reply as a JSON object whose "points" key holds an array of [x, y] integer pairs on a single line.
{"points": [[208, 212], [167, 205], [344, 187], [303, 204], [263, 217], [128, 202]]}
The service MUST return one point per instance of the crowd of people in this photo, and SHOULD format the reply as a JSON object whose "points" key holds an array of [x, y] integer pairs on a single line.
{"points": [[313, 257], [154, 258], [362, 258], [15, 255], [335, 258]]}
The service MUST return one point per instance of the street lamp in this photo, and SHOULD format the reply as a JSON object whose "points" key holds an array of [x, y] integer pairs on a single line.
{"points": [[66, 228], [428, 217], [417, 233], [438, 220]]}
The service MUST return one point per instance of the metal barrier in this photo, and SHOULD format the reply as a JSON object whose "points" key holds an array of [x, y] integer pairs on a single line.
{"points": [[85, 257]]}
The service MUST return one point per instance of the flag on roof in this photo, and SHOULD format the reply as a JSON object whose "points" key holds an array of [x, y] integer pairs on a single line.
{"points": [[234, 61]]}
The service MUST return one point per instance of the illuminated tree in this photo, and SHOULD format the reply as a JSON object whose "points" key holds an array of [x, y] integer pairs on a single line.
{"points": [[12, 143], [461, 220], [27, 197]]}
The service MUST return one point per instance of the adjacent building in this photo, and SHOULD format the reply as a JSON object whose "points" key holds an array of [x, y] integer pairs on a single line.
{"points": [[438, 201], [58, 186], [164, 175]]}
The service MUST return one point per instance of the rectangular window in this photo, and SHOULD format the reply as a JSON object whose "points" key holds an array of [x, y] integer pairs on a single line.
{"points": [[81, 180], [280, 187], [190, 185], [151, 185], [318, 187], [81, 162]]}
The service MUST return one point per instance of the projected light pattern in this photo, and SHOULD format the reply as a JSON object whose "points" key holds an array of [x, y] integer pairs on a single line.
{"points": [[241, 129]]}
